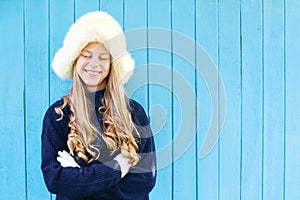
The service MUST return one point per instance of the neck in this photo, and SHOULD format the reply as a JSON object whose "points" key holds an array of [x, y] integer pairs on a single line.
{"points": [[101, 86]]}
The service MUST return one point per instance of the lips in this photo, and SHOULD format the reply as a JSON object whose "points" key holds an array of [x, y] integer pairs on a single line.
{"points": [[92, 72]]}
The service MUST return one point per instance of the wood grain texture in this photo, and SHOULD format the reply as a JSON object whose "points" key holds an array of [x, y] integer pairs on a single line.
{"points": [[292, 126], [274, 83], [159, 16], [252, 100], [207, 37], [230, 71], [36, 91], [13, 167], [184, 100]]}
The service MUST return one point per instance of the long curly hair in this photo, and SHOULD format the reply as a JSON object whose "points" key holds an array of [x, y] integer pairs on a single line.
{"points": [[117, 121]]}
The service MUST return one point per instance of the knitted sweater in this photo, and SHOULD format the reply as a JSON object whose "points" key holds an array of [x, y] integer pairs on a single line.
{"points": [[101, 179]]}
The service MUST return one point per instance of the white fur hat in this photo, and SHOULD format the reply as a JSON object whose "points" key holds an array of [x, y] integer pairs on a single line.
{"points": [[94, 27]]}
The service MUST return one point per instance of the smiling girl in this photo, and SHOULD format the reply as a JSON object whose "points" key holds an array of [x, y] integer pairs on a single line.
{"points": [[97, 142]]}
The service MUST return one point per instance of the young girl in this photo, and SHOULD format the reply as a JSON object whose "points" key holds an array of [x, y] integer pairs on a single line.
{"points": [[96, 142]]}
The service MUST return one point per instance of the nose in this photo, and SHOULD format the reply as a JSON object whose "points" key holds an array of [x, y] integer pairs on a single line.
{"points": [[94, 62]]}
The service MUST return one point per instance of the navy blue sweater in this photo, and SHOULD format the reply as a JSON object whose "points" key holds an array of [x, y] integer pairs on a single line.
{"points": [[101, 179]]}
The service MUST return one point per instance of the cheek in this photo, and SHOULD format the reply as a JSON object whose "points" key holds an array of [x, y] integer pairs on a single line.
{"points": [[107, 70], [105, 63], [78, 64], [80, 61]]}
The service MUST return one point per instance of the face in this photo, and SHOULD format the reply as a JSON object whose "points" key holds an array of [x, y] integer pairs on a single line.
{"points": [[93, 66]]}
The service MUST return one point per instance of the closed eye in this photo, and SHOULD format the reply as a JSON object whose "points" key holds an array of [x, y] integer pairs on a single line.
{"points": [[104, 57], [86, 55]]}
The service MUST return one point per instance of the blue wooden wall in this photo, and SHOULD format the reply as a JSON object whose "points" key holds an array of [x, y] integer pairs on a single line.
{"points": [[253, 44]]}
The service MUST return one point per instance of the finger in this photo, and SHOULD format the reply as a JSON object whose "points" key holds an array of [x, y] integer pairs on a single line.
{"points": [[65, 153], [70, 160], [60, 153], [68, 156], [59, 159], [63, 162], [66, 160]]}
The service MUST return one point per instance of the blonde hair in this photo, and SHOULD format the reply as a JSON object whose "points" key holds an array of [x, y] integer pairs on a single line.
{"points": [[117, 121]]}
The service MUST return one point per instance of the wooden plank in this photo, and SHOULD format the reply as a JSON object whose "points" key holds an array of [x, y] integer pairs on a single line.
{"points": [[61, 18], [13, 146], [36, 92], [206, 36], [183, 22], [160, 93], [114, 8], [273, 100], [135, 23], [252, 105], [230, 69], [82, 7], [292, 179]]}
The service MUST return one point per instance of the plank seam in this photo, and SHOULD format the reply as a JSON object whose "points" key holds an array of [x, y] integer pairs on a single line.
{"points": [[196, 94], [284, 100], [24, 100], [241, 104], [172, 100], [263, 98], [218, 94]]}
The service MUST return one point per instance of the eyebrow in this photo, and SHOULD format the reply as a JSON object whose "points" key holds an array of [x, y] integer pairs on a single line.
{"points": [[88, 51]]}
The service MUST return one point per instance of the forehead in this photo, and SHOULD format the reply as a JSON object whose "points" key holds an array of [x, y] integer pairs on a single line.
{"points": [[95, 47]]}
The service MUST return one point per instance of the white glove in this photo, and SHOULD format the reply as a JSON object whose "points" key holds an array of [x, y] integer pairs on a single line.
{"points": [[124, 164], [66, 160]]}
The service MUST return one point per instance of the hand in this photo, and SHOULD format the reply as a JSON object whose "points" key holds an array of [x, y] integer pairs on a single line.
{"points": [[124, 164], [66, 160]]}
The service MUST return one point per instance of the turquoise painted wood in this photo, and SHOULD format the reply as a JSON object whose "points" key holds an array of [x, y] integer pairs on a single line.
{"points": [[61, 17], [82, 7], [255, 48], [184, 150], [207, 38], [274, 85], [130, 23], [230, 70], [291, 100], [13, 165], [252, 135], [159, 15], [36, 96]]}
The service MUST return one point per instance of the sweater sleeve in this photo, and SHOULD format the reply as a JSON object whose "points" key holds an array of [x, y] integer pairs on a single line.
{"points": [[139, 182], [71, 181]]}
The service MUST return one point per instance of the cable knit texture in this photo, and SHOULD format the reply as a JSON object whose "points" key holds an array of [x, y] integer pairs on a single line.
{"points": [[101, 179]]}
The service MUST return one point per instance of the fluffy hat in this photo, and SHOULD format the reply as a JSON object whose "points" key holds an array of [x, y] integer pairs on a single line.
{"points": [[94, 27]]}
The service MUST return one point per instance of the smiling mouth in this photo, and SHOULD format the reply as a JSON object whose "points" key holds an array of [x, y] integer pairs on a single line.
{"points": [[92, 72]]}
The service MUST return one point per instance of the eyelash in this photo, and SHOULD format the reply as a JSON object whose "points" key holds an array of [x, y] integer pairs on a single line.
{"points": [[104, 58], [89, 56]]}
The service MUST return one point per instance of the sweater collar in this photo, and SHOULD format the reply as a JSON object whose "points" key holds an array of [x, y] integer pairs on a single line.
{"points": [[96, 97]]}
